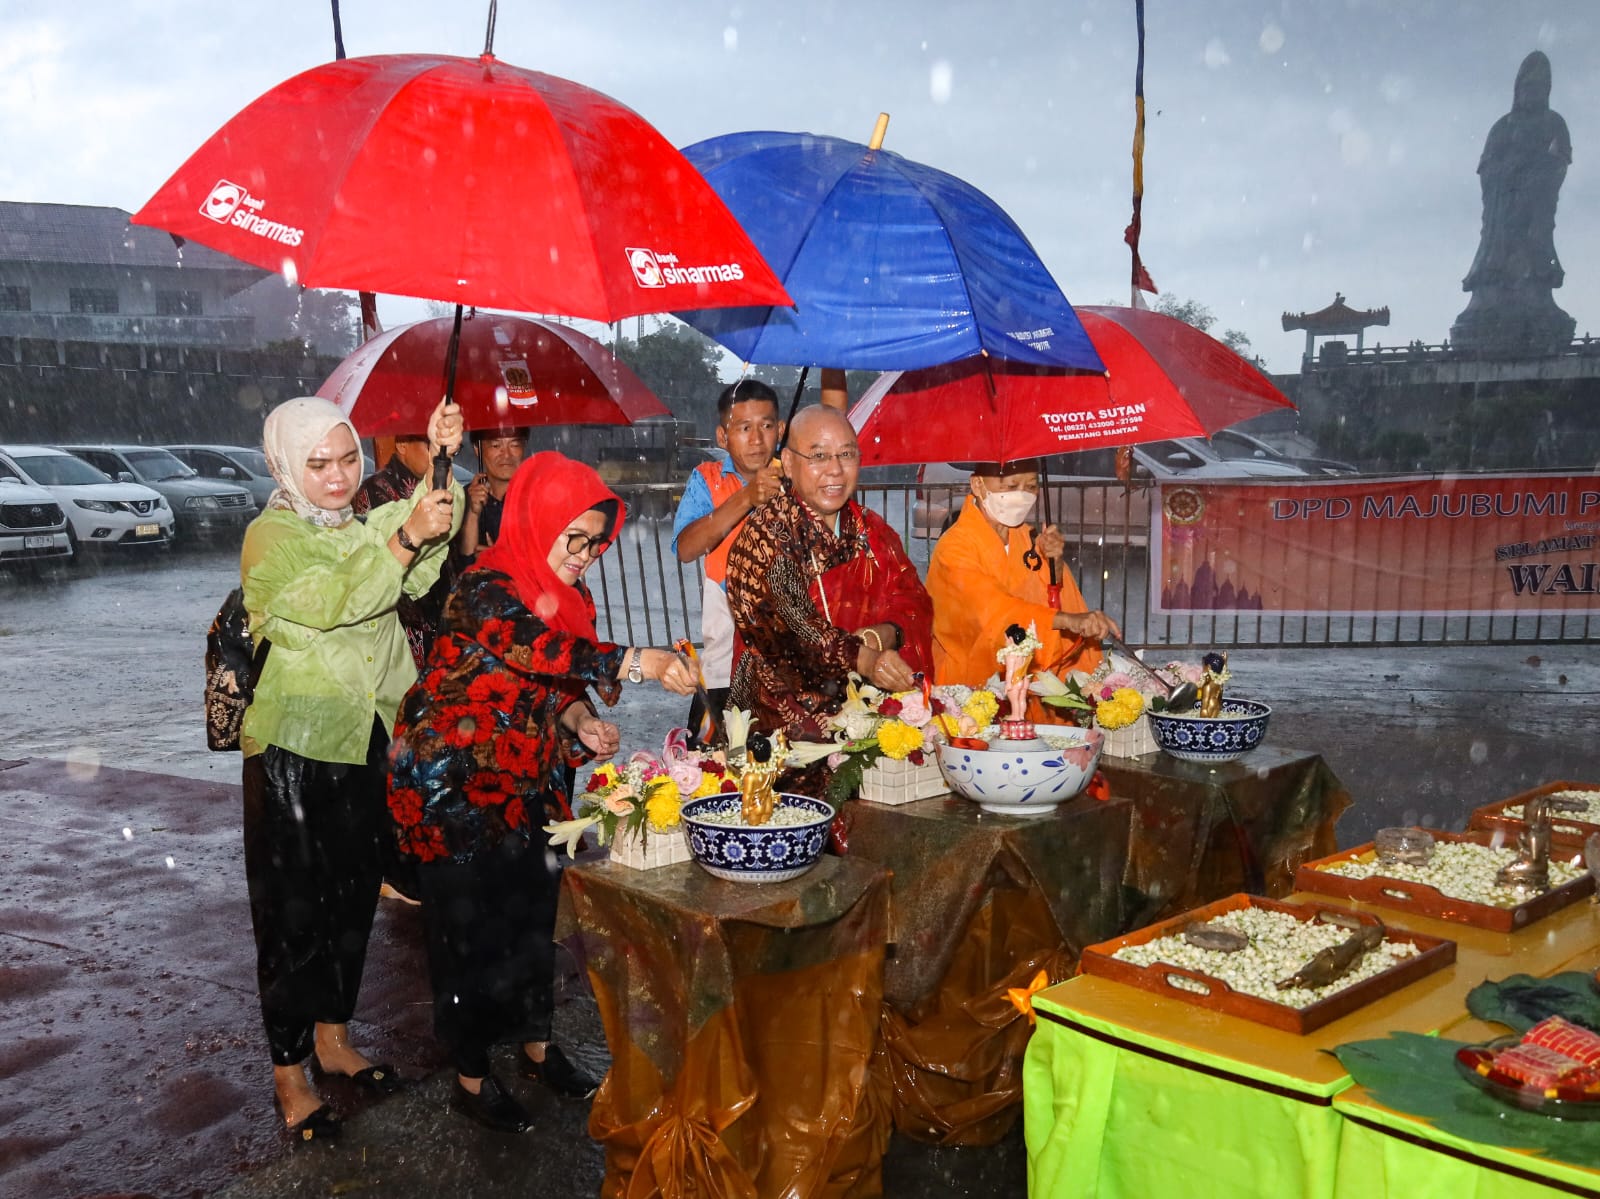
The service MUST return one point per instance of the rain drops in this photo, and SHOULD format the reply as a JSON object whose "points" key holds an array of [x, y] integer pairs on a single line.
{"points": [[127, 833], [1271, 39], [289, 272], [1216, 54], [1478, 753], [940, 79], [730, 39]]}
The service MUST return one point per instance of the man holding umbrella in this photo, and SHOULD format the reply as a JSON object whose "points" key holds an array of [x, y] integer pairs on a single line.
{"points": [[716, 501], [500, 451], [987, 573]]}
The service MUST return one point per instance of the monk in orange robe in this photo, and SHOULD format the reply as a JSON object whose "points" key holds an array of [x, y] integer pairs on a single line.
{"points": [[983, 577]]}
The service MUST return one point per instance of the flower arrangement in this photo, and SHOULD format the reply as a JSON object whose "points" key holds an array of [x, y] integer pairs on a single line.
{"points": [[903, 726], [645, 794], [1115, 695]]}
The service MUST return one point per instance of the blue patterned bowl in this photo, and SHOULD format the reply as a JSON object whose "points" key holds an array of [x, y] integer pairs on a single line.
{"points": [[1025, 782], [1196, 738], [769, 853]]}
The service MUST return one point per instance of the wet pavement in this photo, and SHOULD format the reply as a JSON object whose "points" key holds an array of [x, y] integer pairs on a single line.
{"points": [[129, 1034]]}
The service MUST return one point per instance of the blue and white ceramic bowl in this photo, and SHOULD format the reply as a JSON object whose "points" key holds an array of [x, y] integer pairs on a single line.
{"points": [[768, 853], [1028, 781], [1211, 739]]}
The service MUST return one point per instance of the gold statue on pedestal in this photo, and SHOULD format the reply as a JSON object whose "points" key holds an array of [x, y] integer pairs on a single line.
{"points": [[763, 762], [1216, 674]]}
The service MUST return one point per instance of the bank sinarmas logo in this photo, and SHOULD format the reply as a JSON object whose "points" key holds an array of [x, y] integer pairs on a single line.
{"points": [[223, 201], [230, 204], [646, 270], [657, 268]]}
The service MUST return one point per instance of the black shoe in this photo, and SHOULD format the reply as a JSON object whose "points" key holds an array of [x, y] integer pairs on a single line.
{"points": [[382, 1079], [492, 1106], [320, 1125], [557, 1073]]}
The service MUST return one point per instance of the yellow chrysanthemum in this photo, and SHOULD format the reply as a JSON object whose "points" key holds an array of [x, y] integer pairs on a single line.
{"points": [[897, 739], [1123, 708], [662, 805], [607, 773], [710, 784], [981, 706]]}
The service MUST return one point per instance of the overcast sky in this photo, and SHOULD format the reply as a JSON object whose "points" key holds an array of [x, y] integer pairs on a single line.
{"points": [[1293, 149]]}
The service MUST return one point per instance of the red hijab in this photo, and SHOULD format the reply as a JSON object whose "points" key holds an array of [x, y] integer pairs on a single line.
{"points": [[548, 492]]}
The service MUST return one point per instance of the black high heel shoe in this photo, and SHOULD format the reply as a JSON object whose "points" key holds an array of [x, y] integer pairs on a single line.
{"points": [[320, 1125], [382, 1079]]}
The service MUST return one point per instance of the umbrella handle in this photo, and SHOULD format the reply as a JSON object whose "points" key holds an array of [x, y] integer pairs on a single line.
{"points": [[794, 406], [441, 460], [1052, 593]]}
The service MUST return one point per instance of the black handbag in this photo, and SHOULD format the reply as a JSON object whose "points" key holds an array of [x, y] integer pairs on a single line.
{"points": [[231, 672]]}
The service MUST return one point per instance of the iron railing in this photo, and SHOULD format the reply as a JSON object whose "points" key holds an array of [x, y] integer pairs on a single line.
{"points": [[646, 596]]}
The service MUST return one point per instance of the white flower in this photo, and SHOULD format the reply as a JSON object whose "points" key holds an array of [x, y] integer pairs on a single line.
{"points": [[567, 833]]}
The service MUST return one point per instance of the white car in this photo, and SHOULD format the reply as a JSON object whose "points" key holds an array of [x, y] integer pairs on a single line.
{"points": [[98, 510], [32, 525], [203, 508]]}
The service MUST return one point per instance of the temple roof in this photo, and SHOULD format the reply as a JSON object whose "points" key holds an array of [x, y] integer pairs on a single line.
{"points": [[1337, 317]]}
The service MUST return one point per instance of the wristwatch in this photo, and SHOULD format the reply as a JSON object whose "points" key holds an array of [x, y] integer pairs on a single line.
{"points": [[405, 542], [635, 667]]}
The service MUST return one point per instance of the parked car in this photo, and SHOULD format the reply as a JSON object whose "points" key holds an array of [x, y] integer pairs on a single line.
{"points": [[628, 466], [99, 510], [32, 526], [1090, 505], [1235, 446], [204, 508], [230, 464]]}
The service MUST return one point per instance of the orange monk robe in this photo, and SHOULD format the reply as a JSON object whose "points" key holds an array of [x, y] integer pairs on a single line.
{"points": [[979, 586]]}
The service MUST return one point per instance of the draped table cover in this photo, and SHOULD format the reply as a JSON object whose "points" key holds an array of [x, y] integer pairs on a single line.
{"points": [[982, 903], [742, 1020], [1127, 1091]]}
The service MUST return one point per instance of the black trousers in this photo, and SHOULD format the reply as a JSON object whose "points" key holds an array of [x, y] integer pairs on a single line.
{"points": [[719, 700], [491, 959], [313, 859]]}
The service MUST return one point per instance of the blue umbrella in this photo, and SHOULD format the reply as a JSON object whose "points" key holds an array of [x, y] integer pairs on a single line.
{"points": [[892, 265]]}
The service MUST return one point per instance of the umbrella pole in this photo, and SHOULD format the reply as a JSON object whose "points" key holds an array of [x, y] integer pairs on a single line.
{"points": [[441, 460], [1053, 591], [794, 406]]}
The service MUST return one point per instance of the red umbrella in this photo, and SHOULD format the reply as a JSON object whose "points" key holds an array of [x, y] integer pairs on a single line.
{"points": [[510, 371], [466, 180], [1164, 378]]}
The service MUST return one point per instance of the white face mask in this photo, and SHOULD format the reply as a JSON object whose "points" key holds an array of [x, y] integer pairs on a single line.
{"points": [[1009, 508]]}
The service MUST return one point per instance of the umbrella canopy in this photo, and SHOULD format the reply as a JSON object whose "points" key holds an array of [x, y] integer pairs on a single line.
{"points": [[510, 371], [465, 180], [892, 264], [1164, 378]]}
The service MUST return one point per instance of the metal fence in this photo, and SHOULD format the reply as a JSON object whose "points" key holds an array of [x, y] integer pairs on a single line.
{"points": [[646, 596]]}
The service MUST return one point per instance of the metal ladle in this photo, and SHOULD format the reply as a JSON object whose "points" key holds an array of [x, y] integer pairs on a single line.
{"points": [[1179, 699]]}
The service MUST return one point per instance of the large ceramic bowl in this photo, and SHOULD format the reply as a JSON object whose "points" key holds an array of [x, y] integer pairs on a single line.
{"points": [[1024, 782], [769, 853], [1212, 739]]}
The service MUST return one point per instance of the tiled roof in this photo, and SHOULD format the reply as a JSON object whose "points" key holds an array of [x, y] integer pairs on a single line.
{"points": [[81, 233]]}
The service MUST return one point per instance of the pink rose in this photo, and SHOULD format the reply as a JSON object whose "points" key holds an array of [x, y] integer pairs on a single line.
{"points": [[914, 711], [836, 760]]}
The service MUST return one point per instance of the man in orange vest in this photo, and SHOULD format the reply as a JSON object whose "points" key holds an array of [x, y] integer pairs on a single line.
{"points": [[716, 500]]}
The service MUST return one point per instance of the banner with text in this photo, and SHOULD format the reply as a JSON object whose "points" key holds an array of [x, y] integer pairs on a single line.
{"points": [[1445, 545]]}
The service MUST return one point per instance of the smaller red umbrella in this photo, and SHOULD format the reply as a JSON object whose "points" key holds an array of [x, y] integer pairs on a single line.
{"points": [[510, 371], [1164, 378]]}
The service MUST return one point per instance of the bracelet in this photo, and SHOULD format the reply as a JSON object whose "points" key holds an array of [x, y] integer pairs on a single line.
{"points": [[405, 542], [877, 641]]}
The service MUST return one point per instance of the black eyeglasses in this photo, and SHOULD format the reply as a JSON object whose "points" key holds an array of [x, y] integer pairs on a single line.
{"points": [[581, 543], [845, 458]]}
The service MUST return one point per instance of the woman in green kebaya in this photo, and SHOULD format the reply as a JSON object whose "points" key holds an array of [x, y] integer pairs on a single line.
{"points": [[321, 586]]}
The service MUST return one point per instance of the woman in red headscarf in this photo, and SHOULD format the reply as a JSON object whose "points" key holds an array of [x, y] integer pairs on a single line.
{"points": [[475, 772]]}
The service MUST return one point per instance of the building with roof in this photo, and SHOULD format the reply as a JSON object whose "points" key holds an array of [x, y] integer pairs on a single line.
{"points": [[80, 273]]}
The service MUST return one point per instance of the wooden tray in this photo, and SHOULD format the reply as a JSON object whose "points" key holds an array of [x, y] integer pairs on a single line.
{"points": [[1435, 954], [1402, 896], [1565, 832]]}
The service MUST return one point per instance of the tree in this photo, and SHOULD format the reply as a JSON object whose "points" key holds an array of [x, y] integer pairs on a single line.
{"points": [[323, 322], [682, 367], [1193, 312], [782, 379]]}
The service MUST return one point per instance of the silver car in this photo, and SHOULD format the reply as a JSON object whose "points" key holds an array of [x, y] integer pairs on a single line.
{"points": [[204, 509], [99, 511], [230, 464], [32, 525]]}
